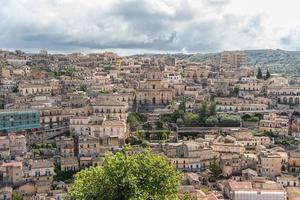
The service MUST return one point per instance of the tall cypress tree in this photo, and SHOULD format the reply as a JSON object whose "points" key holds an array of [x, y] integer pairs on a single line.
{"points": [[259, 74], [268, 75]]}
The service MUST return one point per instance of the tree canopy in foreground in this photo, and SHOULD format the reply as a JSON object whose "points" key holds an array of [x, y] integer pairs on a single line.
{"points": [[143, 176]]}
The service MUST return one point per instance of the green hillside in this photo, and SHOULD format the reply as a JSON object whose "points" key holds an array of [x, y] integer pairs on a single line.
{"points": [[277, 61]]}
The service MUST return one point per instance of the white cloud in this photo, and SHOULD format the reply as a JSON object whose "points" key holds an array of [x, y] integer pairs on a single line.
{"points": [[149, 25]]}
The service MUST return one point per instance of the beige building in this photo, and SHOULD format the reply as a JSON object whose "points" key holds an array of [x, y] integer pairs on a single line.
{"points": [[249, 103], [232, 164], [249, 191], [228, 148], [69, 164], [250, 88], [222, 86], [41, 170], [52, 118], [6, 192], [274, 123], [289, 94], [190, 156], [154, 90], [287, 180], [233, 59], [65, 146], [294, 161], [98, 127], [12, 171], [89, 146], [269, 164], [249, 141], [17, 145], [110, 108], [196, 73], [12, 145], [4, 147], [31, 89], [227, 144]]}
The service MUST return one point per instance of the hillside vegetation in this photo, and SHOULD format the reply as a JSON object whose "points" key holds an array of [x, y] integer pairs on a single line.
{"points": [[277, 61]]}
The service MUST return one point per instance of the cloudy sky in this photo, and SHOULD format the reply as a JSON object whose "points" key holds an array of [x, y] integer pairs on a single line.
{"points": [[140, 26]]}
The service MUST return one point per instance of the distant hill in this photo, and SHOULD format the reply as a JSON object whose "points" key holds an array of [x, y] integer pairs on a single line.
{"points": [[277, 61]]}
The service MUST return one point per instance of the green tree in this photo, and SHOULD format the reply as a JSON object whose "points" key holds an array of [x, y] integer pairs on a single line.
{"points": [[186, 196], [141, 135], [145, 144], [179, 122], [207, 109], [176, 115], [268, 75], [259, 115], [203, 109], [246, 117], [190, 119], [259, 74], [211, 121], [230, 120], [212, 109], [215, 168], [134, 120], [16, 196], [182, 107], [159, 125], [165, 134], [143, 176]]}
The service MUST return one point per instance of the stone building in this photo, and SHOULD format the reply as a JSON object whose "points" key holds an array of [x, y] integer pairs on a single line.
{"points": [[98, 127], [233, 59], [110, 108], [69, 164], [269, 164], [52, 118], [190, 156], [11, 172], [154, 91], [41, 170], [247, 190], [65, 146], [274, 123], [294, 161]]}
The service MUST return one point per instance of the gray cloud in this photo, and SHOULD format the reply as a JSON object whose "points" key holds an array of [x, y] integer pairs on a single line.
{"points": [[165, 25], [286, 40], [215, 3], [291, 40]]}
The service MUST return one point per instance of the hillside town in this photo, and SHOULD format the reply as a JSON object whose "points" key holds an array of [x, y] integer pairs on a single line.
{"points": [[232, 130]]}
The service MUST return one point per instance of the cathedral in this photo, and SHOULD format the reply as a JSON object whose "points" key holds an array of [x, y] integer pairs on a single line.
{"points": [[154, 91]]}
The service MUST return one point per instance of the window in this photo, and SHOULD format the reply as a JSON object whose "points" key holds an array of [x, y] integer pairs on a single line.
{"points": [[37, 173]]}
